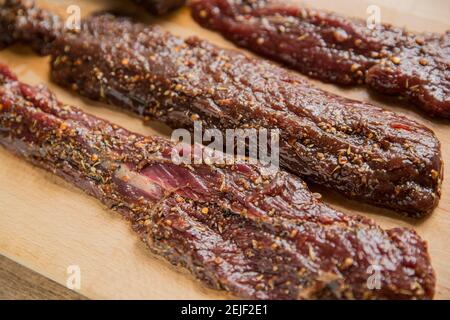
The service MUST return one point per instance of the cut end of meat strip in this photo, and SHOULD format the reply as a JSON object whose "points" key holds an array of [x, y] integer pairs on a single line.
{"points": [[254, 235]]}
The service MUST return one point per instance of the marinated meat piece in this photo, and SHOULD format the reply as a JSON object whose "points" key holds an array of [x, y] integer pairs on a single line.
{"points": [[356, 148], [236, 228], [39, 29], [341, 50], [160, 6]]}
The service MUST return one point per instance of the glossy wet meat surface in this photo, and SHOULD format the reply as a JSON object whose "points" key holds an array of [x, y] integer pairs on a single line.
{"points": [[236, 228], [356, 148], [160, 6], [336, 49]]}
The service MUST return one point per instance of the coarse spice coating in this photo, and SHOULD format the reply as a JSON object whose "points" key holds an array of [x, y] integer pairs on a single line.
{"points": [[236, 227], [336, 49], [21, 21], [160, 6], [353, 147]]}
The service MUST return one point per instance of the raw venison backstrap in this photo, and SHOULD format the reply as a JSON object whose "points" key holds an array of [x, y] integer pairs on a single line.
{"points": [[236, 228], [336, 49], [353, 147]]}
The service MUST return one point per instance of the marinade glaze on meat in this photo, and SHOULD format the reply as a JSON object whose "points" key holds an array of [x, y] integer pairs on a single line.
{"points": [[160, 6], [356, 148], [235, 227], [336, 49]]}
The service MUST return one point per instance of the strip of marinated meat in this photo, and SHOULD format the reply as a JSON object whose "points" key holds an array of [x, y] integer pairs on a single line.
{"points": [[255, 234], [336, 49], [160, 6], [21, 21], [353, 147]]}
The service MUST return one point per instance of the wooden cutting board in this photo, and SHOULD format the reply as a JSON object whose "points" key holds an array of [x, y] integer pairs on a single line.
{"points": [[48, 225]]}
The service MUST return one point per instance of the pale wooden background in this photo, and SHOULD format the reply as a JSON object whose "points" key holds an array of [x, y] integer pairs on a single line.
{"points": [[47, 225]]}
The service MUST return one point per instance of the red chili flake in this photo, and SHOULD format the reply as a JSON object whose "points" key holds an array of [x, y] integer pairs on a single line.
{"points": [[397, 125]]}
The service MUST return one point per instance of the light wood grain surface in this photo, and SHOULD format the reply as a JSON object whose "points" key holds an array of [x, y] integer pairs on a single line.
{"points": [[20, 283], [48, 225]]}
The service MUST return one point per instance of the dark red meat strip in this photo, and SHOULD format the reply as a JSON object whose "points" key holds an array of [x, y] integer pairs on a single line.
{"points": [[235, 228], [356, 148], [341, 50], [160, 6]]}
